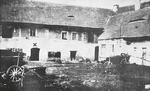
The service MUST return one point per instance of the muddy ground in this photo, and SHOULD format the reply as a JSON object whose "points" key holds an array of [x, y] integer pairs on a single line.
{"points": [[76, 77]]}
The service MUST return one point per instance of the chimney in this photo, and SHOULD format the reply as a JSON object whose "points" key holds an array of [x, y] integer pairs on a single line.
{"points": [[115, 8], [137, 4]]}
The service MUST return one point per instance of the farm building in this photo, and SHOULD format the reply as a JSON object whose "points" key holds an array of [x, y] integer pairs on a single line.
{"points": [[129, 33], [55, 30]]}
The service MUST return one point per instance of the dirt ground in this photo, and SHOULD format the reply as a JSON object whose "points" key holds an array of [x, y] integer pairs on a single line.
{"points": [[74, 77]]}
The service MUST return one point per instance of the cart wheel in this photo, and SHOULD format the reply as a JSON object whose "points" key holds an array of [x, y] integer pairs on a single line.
{"points": [[15, 73]]}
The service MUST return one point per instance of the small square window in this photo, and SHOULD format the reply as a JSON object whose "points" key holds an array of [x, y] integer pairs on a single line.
{"points": [[64, 35], [103, 45]]}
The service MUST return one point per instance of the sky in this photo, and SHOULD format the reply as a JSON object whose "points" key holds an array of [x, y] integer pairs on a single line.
{"points": [[93, 3]]}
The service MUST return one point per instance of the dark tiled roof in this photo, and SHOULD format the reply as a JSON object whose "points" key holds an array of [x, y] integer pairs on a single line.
{"points": [[53, 14], [126, 25]]}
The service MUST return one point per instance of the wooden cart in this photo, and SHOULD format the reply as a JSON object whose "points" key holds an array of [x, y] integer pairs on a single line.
{"points": [[10, 65]]}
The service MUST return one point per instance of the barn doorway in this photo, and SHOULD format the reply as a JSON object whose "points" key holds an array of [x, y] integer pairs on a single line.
{"points": [[96, 53], [35, 53], [73, 55]]}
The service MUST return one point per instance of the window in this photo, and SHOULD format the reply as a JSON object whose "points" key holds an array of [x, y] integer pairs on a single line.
{"points": [[103, 46], [113, 47], [51, 54], [84, 36], [74, 36], [32, 32], [73, 55], [103, 50], [16, 32], [64, 35], [90, 37], [54, 54], [7, 31], [135, 48], [80, 37]]}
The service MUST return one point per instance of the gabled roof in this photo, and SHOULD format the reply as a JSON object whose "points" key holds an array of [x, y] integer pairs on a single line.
{"points": [[53, 14], [129, 8], [145, 3], [126, 25]]}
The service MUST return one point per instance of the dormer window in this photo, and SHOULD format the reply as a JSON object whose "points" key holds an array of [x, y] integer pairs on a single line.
{"points": [[70, 16]]}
